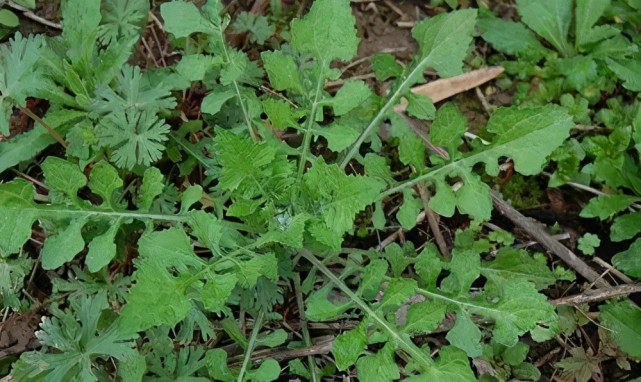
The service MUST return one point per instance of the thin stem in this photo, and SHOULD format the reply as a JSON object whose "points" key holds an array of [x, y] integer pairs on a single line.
{"points": [[258, 322], [309, 124], [409, 347], [237, 89], [303, 326], [54, 210], [44, 124], [391, 101]]}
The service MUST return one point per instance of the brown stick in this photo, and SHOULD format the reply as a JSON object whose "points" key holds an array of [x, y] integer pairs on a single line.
{"points": [[432, 220], [613, 270], [323, 347], [44, 124], [596, 295], [538, 233]]}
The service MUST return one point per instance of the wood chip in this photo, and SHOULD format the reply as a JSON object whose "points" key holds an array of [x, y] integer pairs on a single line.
{"points": [[447, 87]]}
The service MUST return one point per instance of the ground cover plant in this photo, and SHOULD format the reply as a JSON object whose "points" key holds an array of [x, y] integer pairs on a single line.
{"points": [[236, 192]]}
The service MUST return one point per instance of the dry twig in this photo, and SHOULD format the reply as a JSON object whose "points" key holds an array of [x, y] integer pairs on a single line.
{"points": [[26, 12], [433, 220], [537, 232], [596, 295]]}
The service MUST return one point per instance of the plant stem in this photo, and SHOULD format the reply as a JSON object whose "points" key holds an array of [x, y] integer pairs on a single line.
{"points": [[309, 124], [391, 101], [258, 323], [406, 345], [303, 326], [44, 124], [237, 88], [54, 210]]}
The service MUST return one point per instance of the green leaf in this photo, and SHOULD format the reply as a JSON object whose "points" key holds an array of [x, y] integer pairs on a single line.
{"points": [[550, 19], [31, 4], [411, 149], [190, 196], [102, 249], [443, 41], [398, 291], [464, 270], [465, 335], [351, 95], [290, 233], [516, 354], [217, 290], [265, 265], [588, 13], [214, 101], [409, 210], [122, 20], [424, 317], [623, 319], [65, 219], [12, 277], [629, 260], [76, 341], [257, 25], [8, 18], [520, 309], [588, 242], [63, 176], [182, 19], [216, 361], [527, 135], [604, 206], [398, 257], [517, 264], [272, 339], [376, 167], [326, 32], [194, 67], [319, 308], [27, 145], [63, 246], [373, 276], [157, 297], [135, 137], [104, 180], [337, 196], [152, 186], [19, 76], [348, 346], [385, 66], [280, 113], [338, 137], [628, 70], [584, 71], [448, 128], [17, 220], [428, 265], [420, 107], [452, 365], [510, 37], [268, 371], [625, 226], [282, 71], [380, 367], [133, 91], [237, 171], [444, 201]]}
